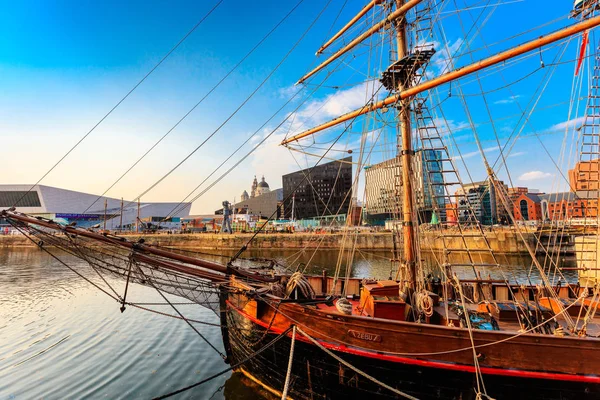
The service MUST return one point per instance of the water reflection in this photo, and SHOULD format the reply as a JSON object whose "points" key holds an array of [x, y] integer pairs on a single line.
{"points": [[62, 338], [376, 264]]}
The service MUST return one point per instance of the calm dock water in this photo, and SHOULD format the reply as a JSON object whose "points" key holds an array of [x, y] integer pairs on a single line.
{"points": [[62, 338]]}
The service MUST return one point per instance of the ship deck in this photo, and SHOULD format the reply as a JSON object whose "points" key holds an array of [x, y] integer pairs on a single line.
{"points": [[593, 327]]}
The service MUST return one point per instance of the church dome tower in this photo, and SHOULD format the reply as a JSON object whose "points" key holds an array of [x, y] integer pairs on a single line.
{"points": [[254, 187], [263, 187]]}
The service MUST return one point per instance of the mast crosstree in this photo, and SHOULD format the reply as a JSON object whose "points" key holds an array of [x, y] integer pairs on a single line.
{"points": [[453, 75]]}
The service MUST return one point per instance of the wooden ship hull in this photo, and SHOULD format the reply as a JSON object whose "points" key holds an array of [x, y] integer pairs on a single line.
{"points": [[423, 360]]}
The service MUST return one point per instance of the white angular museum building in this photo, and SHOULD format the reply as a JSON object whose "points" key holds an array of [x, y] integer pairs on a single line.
{"points": [[89, 210]]}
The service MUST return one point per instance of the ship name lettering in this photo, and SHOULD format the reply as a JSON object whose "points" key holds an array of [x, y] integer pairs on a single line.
{"points": [[365, 336]]}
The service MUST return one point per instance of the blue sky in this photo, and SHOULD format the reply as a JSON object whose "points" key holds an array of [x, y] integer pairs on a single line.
{"points": [[63, 65]]}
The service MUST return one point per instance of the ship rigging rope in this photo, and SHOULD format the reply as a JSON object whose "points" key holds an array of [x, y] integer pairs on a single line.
{"points": [[232, 367], [215, 87], [538, 240], [117, 297], [523, 112], [239, 253], [179, 207], [239, 107], [353, 368], [530, 114], [493, 125], [17, 227], [469, 209], [180, 314], [548, 257], [288, 374], [123, 98], [478, 375]]}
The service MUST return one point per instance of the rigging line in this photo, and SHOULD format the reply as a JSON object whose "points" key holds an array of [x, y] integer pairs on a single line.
{"points": [[239, 253], [336, 18], [179, 207], [84, 257], [235, 67], [321, 239], [139, 306], [286, 386], [248, 98], [330, 226], [550, 73], [123, 98], [244, 247], [179, 313], [504, 159], [446, 68], [489, 113], [457, 11], [232, 367], [293, 113], [352, 367], [519, 34], [60, 261]]}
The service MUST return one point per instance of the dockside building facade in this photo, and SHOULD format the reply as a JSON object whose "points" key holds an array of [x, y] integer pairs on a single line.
{"points": [[318, 191], [87, 210]]}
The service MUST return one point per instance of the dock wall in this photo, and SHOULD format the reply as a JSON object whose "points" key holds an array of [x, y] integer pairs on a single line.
{"points": [[503, 241]]}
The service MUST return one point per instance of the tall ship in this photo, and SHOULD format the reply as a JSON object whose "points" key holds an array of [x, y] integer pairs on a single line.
{"points": [[425, 331]]}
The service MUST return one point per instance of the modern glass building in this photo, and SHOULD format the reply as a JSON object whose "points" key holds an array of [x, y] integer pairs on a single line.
{"points": [[318, 191]]}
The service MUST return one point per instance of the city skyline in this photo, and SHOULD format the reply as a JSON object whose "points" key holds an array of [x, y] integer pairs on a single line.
{"points": [[62, 76]]}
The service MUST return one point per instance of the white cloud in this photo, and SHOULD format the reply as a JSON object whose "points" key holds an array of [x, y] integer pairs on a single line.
{"points": [[442, 60], [518, 153], [572, 123], [475, 153], [508, 100], [289, 91], [336, 104], [535, 175]]}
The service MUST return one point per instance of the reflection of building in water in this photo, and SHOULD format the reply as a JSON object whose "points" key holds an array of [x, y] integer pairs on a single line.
{"points": [[87, 210]]}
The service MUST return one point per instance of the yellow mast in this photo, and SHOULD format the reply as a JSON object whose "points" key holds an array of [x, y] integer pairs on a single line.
{"points": [[453, 75], [358, 16], [399, 13], [406, 155]]}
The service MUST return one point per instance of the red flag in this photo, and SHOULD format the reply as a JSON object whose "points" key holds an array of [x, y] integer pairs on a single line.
{"points": [[584, 42]]}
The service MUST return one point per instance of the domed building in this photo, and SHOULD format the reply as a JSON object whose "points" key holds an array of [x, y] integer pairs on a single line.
{"points": [[253, 187], [263, 187], [262, 201]]}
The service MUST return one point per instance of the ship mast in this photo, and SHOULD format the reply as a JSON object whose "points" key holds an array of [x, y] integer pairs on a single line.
{"points": [[406, 153]]}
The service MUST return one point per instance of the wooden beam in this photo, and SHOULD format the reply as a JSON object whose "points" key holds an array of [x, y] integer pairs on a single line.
{"points": [[374, 29], [453, 75], [358, 16]]}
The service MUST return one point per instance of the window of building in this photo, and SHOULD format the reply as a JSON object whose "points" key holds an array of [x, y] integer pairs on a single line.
{"points": [[524, 210], [19, 199]]}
